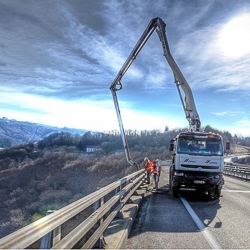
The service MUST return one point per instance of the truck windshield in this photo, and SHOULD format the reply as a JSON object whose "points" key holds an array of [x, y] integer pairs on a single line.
{"points": [[199, 147]]}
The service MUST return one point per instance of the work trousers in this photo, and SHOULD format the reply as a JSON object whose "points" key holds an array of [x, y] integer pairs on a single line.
{"points": [[156, 179], [159, 172], [148, 176]]}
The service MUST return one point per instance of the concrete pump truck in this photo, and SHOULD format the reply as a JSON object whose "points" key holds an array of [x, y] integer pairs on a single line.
{"points": [[197, 157]]}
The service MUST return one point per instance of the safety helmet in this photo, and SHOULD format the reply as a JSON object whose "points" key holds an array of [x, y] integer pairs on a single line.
{"points": [[146, 158]]}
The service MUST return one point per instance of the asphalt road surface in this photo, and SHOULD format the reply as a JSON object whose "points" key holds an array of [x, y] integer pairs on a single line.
{"points": [[192, 222]]}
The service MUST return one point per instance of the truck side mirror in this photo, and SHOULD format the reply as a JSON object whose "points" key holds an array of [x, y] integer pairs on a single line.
{"points": [[227, 146], [171, 147]]}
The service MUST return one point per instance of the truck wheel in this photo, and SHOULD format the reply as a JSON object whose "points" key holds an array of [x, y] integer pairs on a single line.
{"points": [[170, 175], [217, 192], [175, 191]]}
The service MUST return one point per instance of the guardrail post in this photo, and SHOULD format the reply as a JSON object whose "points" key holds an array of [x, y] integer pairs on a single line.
{"points": [[101, 242], [118, 189], [50, 239], [56, 237]]}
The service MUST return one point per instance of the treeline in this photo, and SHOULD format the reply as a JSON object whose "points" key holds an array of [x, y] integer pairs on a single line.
{"points": [[137, 140], [109, 142]]}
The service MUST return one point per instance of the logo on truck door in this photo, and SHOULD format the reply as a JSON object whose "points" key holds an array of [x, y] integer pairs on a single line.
{"points": [[187, 160], [210, 162]]}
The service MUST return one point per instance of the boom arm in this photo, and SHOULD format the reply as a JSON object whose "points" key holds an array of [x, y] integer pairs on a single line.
{"points": [[188, 103]]}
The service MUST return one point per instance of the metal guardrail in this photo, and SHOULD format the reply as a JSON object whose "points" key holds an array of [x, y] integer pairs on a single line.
{"points": [[239, 171], [105, 203]]}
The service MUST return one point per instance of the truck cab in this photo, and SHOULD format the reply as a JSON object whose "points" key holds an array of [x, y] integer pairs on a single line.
{"points": [[197, 163]]}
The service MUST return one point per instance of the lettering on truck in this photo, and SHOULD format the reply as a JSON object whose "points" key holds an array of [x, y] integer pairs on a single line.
{"points": [[187, 160], [211, 162]]}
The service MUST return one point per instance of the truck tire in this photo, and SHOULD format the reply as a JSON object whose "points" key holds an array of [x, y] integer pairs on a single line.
{"points": [[217, 192], [175, 192], [170, 176]]}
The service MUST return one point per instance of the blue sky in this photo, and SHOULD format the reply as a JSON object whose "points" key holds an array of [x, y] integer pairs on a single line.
{"points": [[58, 59]]}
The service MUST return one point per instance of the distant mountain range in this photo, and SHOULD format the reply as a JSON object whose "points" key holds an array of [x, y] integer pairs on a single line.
{"points": [[14, 132]]}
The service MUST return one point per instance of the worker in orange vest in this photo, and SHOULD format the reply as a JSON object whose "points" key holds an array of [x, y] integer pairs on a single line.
{"points": [[155, 172], [148, 168]]}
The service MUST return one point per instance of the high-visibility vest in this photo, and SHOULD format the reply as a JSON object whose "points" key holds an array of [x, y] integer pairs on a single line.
{"points": [[154, 167], [148, 165]]}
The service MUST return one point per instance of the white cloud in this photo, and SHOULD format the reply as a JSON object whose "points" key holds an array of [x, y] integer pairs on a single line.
{"points": [[83, 114], [240, 128], [244, 123], [228, 113], [140, 121]]}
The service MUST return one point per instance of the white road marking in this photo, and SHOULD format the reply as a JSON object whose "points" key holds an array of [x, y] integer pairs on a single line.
{"points": [[208, 236], [236, 191]]}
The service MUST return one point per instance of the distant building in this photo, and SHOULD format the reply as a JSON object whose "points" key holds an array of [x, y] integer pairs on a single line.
{"points": [[119, 152], [91, 149]]}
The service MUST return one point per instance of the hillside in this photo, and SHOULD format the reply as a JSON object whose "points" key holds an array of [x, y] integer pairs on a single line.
{"points": [[33, 181], [14, 132], [56, 171], [239, 149]]}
